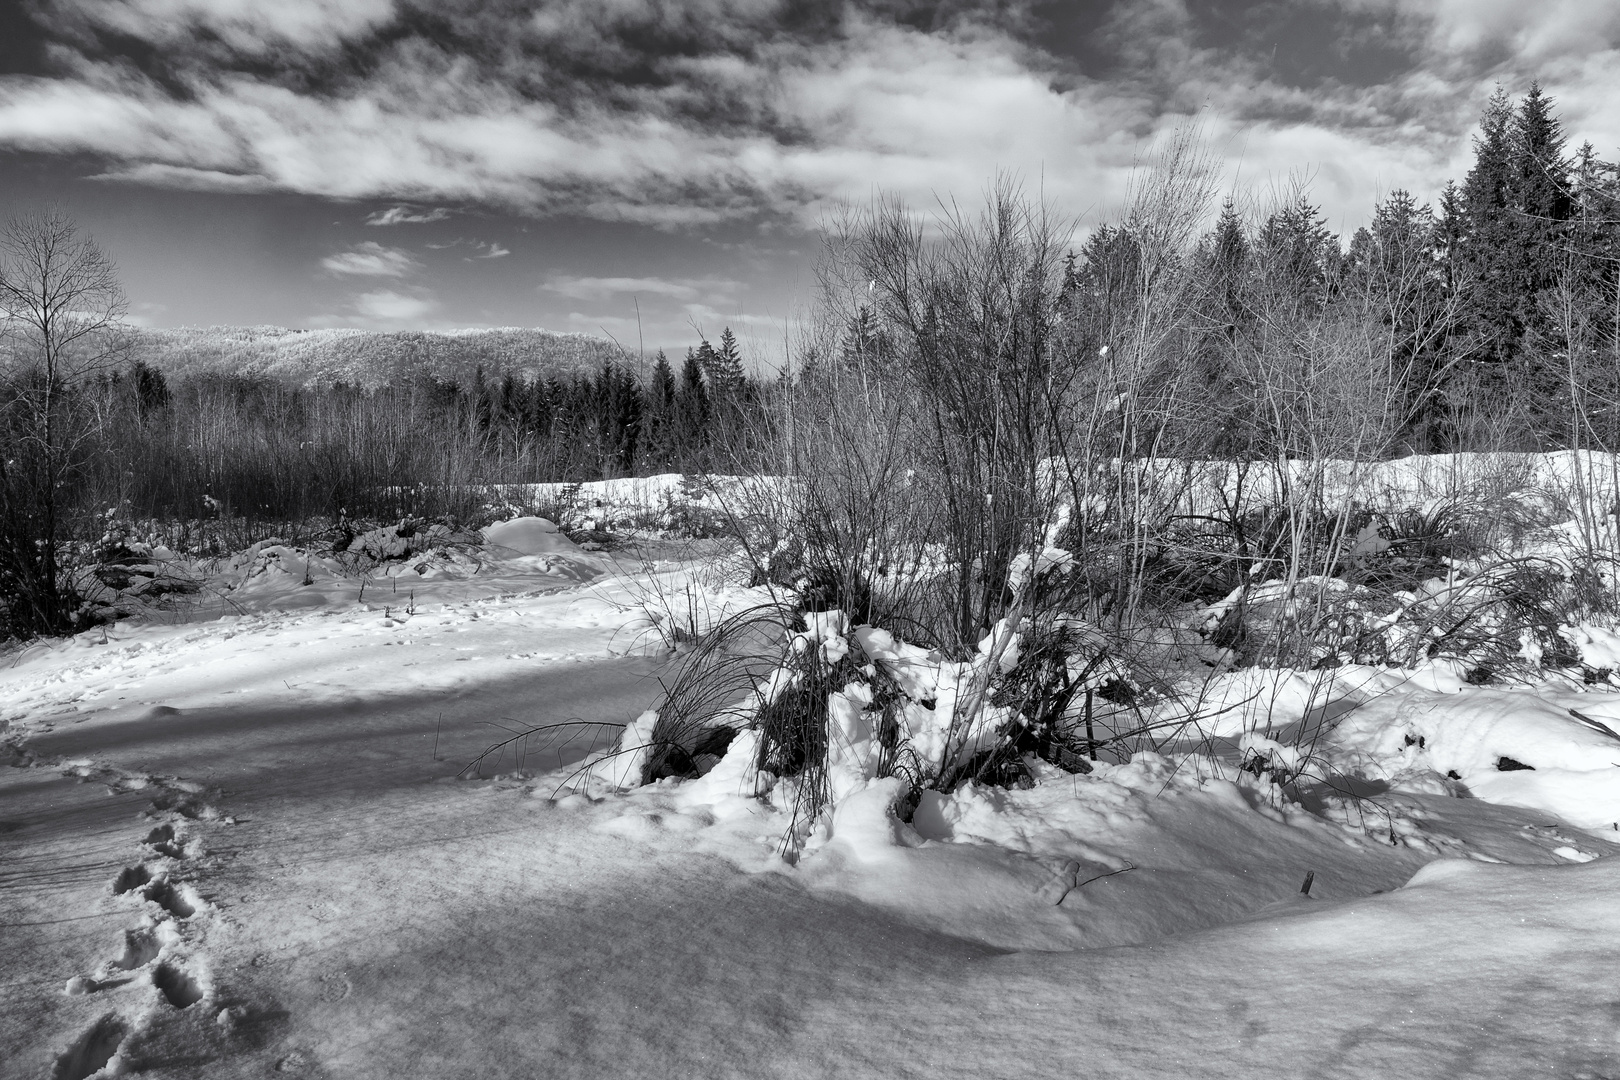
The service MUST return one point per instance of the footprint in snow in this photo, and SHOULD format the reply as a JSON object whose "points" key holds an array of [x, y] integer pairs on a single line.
{"points": [[91, 1051], [162, 841], [185, 804], [131, 878], [140, 948], [178, 902], [178, 988]]}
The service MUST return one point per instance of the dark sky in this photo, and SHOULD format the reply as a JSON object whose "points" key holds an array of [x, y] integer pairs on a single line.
{"points": [[564, 163]]}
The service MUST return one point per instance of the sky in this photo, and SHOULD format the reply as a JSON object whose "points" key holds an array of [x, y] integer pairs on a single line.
{"points": [[658, 169]]}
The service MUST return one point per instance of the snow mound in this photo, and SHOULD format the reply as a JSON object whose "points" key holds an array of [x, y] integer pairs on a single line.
{"points": [[529, 536], [1515, 747]]}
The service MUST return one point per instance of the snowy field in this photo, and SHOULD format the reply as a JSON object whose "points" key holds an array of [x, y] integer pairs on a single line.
{"points": [[240, 840]]}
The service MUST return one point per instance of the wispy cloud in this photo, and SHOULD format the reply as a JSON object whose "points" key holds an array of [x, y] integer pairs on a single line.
{"points": [[491, 250], [240, 25], [186, 178], [715, 110], [370, 259], [402, 215], [604, 288], [389, 308]]}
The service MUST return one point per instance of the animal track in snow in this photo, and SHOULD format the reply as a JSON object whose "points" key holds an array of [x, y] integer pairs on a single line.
{"points": [[179, 989], [92, 1050]]}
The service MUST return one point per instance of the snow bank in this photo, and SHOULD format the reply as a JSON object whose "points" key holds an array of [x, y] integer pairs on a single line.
{"points": [[1515, 747], [529, 536]]}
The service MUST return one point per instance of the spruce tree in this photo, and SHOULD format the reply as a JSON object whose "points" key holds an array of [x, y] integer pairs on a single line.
{"points": [[618, 409], [1393, 272], [1541, 206], [151, 389], [722, 367], [1487, 232], [728, 362], [1451, 235], [660, 433], [1227, 255], [1594, 213], [1516, 207], [1300, 256], [479, 398], [692, 410], [538, 415]]}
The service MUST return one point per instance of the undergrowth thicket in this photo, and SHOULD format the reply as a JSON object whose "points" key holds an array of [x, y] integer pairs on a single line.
{"points": [[1036, 507]]}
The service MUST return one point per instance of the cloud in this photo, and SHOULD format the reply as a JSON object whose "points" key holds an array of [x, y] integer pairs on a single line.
{"points": [[717, 110], [184, 178], [603, 288], [248, 26], [388, 308], [1549, 30], [400, 215], [491, 250], [370, 259]]}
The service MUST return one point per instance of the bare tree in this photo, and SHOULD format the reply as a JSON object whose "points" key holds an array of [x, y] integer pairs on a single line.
{"points": [[61, 325]]}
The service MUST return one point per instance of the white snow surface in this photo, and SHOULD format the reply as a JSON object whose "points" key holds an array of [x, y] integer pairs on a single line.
{"points": [[239, 847]]}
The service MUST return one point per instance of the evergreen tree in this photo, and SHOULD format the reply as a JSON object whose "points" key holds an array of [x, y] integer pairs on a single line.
{"points": [[1299, 256], [1486, 232], [1515, 208], [692, 410], [1109, 266], [722, 367], [1225, 258], [1107, 285], [1393, 276], [480, 400], [1540, 179], [1451, 235], [1541, 205], [509, 403], [1595, 214], [539, 413], [617, 401], [1071, 280], [151, 389], [728, 369], [1227, 255], [660, 441]]}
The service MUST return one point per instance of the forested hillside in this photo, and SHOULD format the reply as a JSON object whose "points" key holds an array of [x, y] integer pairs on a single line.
{"points": [[366, 358]]}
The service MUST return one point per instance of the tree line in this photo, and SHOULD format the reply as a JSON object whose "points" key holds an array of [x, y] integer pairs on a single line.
{"points": [[92, 433], [509, 428], [1490, 321], [979, 387]]}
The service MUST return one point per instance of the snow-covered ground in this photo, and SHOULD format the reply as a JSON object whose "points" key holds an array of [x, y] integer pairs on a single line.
{"points": [[242, 843]]}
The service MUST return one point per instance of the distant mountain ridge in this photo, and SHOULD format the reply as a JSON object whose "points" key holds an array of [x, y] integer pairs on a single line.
{"points": [[368, 358]]}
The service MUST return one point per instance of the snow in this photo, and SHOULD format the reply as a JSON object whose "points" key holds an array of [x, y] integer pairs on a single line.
{"points": [[242, 841], [529, 536]]}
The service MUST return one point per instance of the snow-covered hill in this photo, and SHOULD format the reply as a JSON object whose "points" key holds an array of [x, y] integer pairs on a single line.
{"points": [[368, 358]]}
